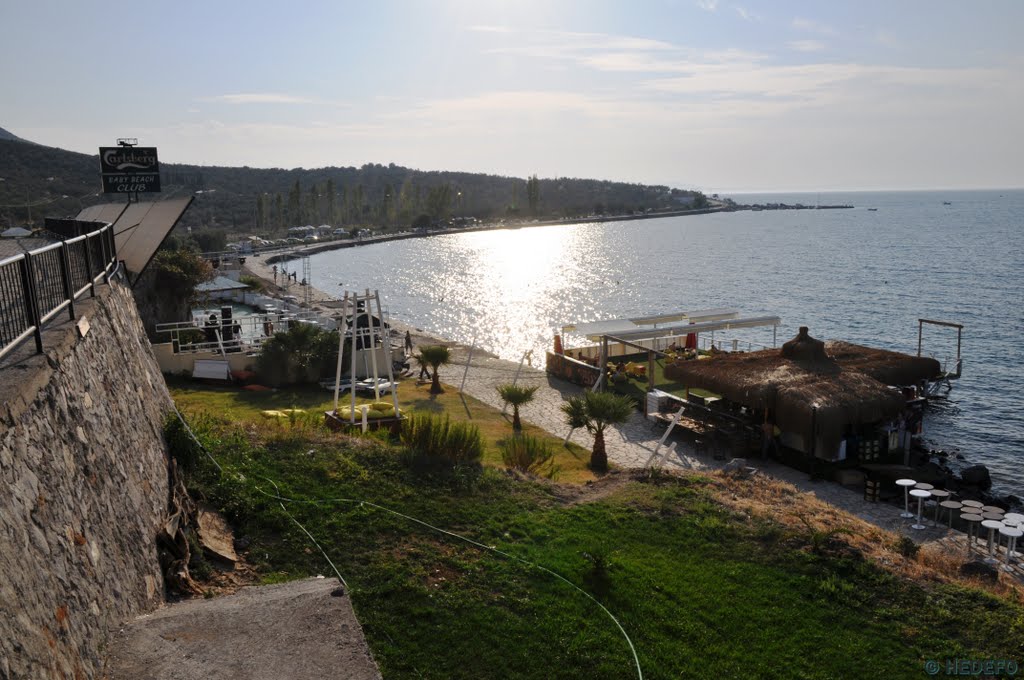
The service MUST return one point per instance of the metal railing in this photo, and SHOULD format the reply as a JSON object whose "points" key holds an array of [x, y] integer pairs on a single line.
{"points": [[38, 285]]}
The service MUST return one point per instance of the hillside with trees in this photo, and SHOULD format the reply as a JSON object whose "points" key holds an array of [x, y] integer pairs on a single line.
{"points": [[38, 181]]}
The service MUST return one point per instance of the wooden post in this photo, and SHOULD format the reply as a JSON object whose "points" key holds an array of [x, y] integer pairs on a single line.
{"points": [[650, 371]]}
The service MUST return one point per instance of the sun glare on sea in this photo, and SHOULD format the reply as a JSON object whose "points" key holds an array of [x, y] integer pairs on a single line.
{"points": [[511, 270]]}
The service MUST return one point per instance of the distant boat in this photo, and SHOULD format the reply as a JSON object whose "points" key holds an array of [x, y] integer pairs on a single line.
{"points": [[946, 203], [872, 209]]}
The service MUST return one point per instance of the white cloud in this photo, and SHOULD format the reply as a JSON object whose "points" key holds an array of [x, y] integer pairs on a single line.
{"points": [[806, 45], [813, 26], [615, 53], [811, 81], [708, 5], [479, 28], [259, 98], [746, 14]]}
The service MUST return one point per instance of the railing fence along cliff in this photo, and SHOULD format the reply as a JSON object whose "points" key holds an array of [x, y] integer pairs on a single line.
{"points": [[38, 285]]}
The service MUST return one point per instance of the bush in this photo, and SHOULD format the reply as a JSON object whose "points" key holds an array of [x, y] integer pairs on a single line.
{"points": [[440, 442], [255, 283], [526, 454], [301, 354], [905, 546], [597, 575]]}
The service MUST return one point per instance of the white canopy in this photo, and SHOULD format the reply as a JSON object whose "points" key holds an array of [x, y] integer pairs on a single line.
{"points": [[623, 327], [703, 327]]}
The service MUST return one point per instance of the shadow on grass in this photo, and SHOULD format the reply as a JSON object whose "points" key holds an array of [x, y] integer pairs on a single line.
{"points": [[465, 405], [430, 404]]}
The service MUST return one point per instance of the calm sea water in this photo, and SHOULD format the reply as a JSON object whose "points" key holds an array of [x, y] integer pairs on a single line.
{"points": [[858, 275]]}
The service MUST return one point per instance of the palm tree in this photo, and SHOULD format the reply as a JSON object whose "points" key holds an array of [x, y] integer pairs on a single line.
{"points": [[516, 396], [596, 411], [436, 356]]}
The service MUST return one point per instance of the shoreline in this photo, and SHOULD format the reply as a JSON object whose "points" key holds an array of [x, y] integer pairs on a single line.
{"points": [[301, 251], [292, 254], [326, 304]]}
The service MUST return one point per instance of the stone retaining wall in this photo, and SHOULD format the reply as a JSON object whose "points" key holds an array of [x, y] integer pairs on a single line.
{"points": [[83, 489]]}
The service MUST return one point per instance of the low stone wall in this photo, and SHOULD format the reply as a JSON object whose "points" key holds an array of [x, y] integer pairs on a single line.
{"points": [[83, 469], [571, 370]]}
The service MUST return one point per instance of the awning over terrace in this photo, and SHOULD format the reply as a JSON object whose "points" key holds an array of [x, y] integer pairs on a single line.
{"points": [[647, 326], [627, 330], [139, 228]]}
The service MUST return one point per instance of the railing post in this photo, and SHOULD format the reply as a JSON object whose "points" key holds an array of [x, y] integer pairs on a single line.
{"points": [[65, 276], [88, 266], [107, 253], [31, 304]]}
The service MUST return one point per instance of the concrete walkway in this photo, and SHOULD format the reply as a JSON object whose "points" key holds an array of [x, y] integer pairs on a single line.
{"points": [[291, 631]]}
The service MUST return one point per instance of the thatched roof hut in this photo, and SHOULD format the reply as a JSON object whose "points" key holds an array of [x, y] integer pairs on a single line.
{"points": [[809, 385], [888, 368]]}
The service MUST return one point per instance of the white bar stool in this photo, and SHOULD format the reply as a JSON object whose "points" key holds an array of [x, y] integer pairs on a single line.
{"points": [[971, 520], [920, 495], [940, 495], [951, 506], [1012, 534], [906, 484], [992, 525]]}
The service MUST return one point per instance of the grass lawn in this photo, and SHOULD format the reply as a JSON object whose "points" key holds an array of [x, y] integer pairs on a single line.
{"points": [[241, 406], [703, 590]]}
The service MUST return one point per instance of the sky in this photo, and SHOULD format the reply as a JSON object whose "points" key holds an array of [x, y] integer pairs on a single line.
{"points": [[707, 94]]}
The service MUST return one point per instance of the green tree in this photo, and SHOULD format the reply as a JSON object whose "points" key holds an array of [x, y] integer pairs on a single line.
{"points": [[166, 289], [533, 193], [261, 215], [516, 396], [596, 411], [439, 201], [345, 216], [435, 356], [295, 204], [210, 240], [421, 222], [357, 204], [332, 206], [279, 222], [313, 206]]}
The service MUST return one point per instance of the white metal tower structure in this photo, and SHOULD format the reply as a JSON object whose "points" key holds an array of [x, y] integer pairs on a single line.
{"points": [[353, 307], [307, 290]]}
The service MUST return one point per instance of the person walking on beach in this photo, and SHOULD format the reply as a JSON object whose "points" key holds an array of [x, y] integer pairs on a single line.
{"points": [[424, 371], [408, 342], [274, 269]]}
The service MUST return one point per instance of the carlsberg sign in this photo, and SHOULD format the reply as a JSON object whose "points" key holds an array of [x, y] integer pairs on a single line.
{"points": [[128, 169]]}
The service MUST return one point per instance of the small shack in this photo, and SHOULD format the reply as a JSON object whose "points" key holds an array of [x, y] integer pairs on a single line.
{"points": [[822, 396]]}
